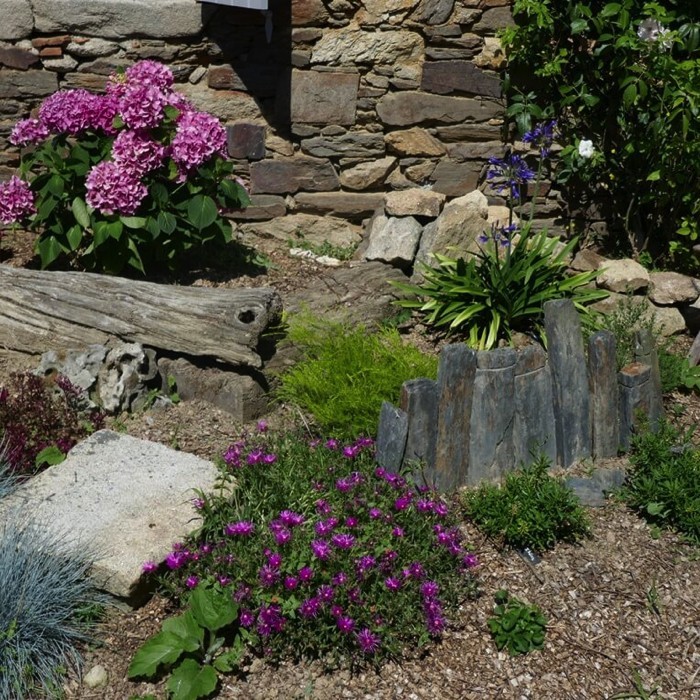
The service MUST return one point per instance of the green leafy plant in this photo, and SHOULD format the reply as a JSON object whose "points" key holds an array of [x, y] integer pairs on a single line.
{"points": [[663, 484], [516, 626], [503, 286], [134, 178], [630, 314], [190, 645], [492, 295], [315, 552], [346, 372], [623, 79], [531, 509], [677, 373]]}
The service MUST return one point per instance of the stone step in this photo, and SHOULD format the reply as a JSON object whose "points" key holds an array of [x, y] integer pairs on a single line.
{"points": [[125, 499]]}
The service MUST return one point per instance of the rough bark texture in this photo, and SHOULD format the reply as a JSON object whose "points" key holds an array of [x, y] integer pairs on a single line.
{"points": [[74, 309]]}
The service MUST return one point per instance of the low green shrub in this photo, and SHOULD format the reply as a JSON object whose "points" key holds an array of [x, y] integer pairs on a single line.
{"points": [[663, 485], [629, 315], [531, 509], [517, 626], [345, 373], [677, 374], [317, 552], [41, 419], [44, 587]]}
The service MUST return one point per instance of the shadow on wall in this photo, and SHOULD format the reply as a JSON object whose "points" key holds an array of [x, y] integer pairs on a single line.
{"points": [[252, 69]]}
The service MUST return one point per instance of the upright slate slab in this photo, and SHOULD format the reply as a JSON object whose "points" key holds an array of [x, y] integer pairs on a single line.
{"points": [[534, 429], [419, 400], [491, 436], [605, 412], [391, 437], [635, 396], [645, 352], [567, 361], [456, 373]]}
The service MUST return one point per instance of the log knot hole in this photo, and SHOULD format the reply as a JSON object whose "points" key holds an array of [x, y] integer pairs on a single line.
{"points": [[246, 316]]}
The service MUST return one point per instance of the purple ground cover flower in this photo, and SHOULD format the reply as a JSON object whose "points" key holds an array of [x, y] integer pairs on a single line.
{"points": [[345, 624], [243, 527], [148, 567], [325, 593], [291, 519], [192, 582], [392, 583], [368, 641], [111, 189], [306, 574], [321, 549], [270, 619], [246, 618], [16, 200], [310, 607], [175, 560], [342, 540], [325, 527]]}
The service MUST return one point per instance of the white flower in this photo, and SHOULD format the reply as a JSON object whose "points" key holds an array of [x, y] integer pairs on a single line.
{"points": [[653, 31], [585, 148]]}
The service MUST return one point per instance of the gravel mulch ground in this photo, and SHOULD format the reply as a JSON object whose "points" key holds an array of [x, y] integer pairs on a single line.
{"points": [[623, 607]]}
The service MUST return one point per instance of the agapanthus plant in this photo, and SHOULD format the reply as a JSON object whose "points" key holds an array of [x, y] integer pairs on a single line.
{"points": [[502, 288], [135, 176], [323, 553]]}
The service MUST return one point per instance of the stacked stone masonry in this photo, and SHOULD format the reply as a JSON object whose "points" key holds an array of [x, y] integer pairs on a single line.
{"points": [[329, 105], [491, 412]]}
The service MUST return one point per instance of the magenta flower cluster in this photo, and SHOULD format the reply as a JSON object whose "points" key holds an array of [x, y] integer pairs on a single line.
{"points": [[16, 200], [360, 547], [134, 112]]}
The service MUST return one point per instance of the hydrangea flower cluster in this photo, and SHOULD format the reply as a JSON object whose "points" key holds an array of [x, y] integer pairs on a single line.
{"points": [[360, 559], [16, 200], [132, 107]]}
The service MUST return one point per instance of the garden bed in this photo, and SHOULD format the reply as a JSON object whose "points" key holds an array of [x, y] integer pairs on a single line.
{"points": [[620, 604]]}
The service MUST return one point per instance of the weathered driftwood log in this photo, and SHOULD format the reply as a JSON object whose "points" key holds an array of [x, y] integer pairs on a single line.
{"points": [[61, 310]]}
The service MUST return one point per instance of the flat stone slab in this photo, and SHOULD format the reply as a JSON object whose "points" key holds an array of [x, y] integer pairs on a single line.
{"points": [[124, 498]]}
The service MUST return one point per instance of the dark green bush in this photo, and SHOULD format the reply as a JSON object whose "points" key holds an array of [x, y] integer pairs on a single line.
{"points": [[625, 77], [345, 373], [531, 509], [516, 626], [664, 483]]}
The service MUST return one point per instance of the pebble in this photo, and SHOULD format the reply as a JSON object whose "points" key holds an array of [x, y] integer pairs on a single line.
{"points": [[96, 677]]}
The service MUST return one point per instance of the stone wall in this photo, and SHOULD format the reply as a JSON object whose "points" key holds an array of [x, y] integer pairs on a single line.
{"points": [[329, 103]]}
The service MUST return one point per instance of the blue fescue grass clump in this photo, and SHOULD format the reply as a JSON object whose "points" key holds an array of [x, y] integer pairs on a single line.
{"points": [[44, 587]]}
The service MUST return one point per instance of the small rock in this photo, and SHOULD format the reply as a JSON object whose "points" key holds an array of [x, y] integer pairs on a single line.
{"points": [[96, 677]]}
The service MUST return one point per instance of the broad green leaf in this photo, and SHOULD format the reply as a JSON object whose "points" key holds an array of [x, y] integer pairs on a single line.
{"points": [[202, 211], [186, 629], [80, 212], [55, 185], [49, 249], [100, 233], [114, 229], [136, 222], [656, 175], [629, 95], [50, 456], [163, 648], [167, 222], [190, 681], [74, 236], [212, 608]]}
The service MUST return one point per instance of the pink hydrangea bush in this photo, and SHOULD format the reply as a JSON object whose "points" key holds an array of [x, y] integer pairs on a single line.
{"points": [[134, 176]]}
